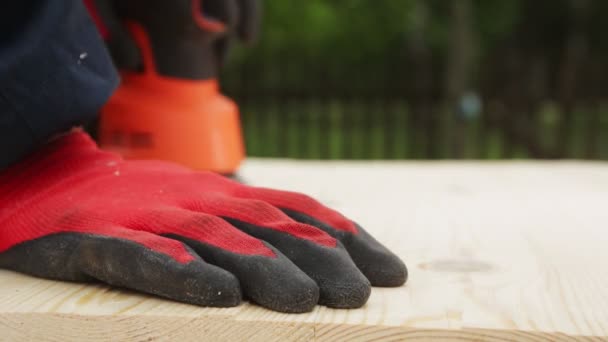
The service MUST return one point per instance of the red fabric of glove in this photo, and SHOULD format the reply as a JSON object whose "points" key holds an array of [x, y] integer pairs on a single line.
{"points": [[72, 212]]}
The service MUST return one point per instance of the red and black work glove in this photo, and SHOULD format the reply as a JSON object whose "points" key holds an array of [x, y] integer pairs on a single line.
{"points": [[72, 212]]}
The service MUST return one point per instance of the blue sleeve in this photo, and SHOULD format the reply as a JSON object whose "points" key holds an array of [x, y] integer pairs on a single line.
{"points": [[55, 73]]}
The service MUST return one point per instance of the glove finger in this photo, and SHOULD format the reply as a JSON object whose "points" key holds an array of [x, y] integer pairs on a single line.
{"points": [[378, 264], [316, 253], [135, 260], [266, 276], [381, 266]]}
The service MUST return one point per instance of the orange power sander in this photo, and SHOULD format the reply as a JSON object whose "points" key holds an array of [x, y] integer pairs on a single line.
{"points": [[168, 105]]}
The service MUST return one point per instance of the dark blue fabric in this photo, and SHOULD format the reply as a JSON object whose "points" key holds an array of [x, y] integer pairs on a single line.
{"points": [[55, 73]]}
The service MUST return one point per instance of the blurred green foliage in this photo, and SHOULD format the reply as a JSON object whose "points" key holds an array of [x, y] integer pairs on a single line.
{"points": [[356, 28]]}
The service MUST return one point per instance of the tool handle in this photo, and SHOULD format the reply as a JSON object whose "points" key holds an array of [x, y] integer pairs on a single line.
{"points": [[186, 39]]}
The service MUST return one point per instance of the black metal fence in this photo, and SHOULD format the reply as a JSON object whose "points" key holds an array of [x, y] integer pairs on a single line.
{"points": [[382, 117], [376, 128]]}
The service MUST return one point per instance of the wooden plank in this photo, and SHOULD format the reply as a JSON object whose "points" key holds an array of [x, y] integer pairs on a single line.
{"points": [[496, 251]]}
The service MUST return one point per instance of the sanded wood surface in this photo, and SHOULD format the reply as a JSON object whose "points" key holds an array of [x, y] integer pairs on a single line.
{"points": [[496, 251]]}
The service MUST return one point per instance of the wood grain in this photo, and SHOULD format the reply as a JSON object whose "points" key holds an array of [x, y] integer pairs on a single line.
{"points": [[496, 251]]}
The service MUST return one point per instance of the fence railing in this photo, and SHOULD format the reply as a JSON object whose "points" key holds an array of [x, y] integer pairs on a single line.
{"points": [[377, 128]]}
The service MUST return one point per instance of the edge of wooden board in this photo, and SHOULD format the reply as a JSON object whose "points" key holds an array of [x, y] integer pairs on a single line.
{"points": [[71, 327]]}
